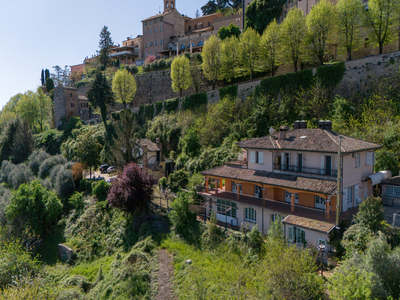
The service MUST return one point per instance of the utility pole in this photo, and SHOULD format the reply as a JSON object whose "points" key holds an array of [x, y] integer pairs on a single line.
{"points": [[339, 179]]}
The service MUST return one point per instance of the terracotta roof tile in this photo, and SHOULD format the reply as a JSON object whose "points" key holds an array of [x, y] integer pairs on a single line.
{"points": [[276, 179], [307, 223], [317, 140]]}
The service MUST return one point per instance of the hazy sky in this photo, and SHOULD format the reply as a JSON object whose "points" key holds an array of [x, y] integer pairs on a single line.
{"points": [[39, 34]]}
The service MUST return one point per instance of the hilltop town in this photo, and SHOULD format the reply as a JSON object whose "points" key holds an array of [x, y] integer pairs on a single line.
{"points": [[251, 152]]}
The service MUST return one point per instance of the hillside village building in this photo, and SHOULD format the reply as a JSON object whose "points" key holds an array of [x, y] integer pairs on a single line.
{"points": [[292, 176], [69, 103]]}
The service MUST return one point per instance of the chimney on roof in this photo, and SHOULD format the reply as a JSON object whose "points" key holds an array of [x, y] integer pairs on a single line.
{"points": [[325, 125], [158, 141], [300, 124], [282, 132]]}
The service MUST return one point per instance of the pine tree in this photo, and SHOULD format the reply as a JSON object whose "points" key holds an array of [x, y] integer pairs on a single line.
{"points": [[46, 75], [105, 44]]}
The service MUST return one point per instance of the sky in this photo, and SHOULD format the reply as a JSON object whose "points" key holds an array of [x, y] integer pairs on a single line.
{"points": [[40, 34]]}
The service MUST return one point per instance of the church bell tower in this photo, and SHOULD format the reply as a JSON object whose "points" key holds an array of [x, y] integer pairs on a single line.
{"points": [[169, 5]]}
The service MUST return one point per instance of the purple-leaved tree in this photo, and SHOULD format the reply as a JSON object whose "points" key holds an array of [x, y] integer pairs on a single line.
{"points": [[131, 192]]}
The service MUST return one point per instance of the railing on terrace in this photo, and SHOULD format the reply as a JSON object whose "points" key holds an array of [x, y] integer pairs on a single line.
{"points": [[305, 170], [237, 164], [274, 205]]}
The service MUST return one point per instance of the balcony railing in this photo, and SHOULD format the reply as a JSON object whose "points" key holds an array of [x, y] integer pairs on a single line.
{"points": [[305, 170]]}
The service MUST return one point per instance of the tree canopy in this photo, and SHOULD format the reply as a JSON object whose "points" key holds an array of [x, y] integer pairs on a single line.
{"points": [[259, 13], [180, 74], [105, 44], [124, 87], [226, 32], [212, 60]]}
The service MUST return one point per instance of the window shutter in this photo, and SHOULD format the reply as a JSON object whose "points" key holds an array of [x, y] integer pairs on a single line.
{"points": [[295, 162], [344, 200], [356, 193], [322, 164], [283, 161], [369, 158], [245, 213], [261, 157], [291, 237], [252, 157]]}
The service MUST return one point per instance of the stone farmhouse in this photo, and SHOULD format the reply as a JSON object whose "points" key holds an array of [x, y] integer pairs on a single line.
{"points": [[292, 176]]}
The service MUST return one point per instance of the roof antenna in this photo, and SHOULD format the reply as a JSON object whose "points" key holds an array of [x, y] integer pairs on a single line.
{"points": [[159, 9]]}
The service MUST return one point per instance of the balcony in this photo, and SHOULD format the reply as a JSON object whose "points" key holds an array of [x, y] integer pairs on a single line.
{"points": [[305, 170], [278, 206], [125, 52]]}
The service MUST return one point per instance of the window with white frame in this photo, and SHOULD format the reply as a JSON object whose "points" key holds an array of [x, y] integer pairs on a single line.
{"points": [[322, 242], [357, 156], [370, 158], [319, 202], [276, 217], [392, 191], [297, 235], [250, 214], [226, 208], [256, 157], [350, 195]]}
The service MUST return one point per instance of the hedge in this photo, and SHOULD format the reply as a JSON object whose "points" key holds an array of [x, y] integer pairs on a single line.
{"points": [[230, 91], [330, 76], [171, 105], [159, 107], [141, 111], [288, 82], [149, 111], [195, 101]]}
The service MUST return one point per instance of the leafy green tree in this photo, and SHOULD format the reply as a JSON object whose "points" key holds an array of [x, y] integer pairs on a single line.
{"points": [[209, 8], [212, 60], [124, 87], [320, 24], [183, 219], [229, 58], [189, 144], [196, 72], [180, 74], [270, 46], [23, 144], [35, 206], [7, 140], [124, 149], [293, 29], [177, 180], [349, 21], [100, 95], [260, 13], [351, 284], [249, 52], [226, 32], [105, 44], [380, 20], [88, 150], [49, 85]]}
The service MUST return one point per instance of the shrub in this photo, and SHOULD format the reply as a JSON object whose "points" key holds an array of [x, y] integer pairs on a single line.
{"points": [[36, 159], [49, 140], [5, 196], [49, 163], [6, 168], [178, 179], [330, 76], [53, 174], [36, 206], [133, 190], [85, 186], [149, 111], [195, 101], [132, 69], [141, 111], [171, 105], [159, 107], [77, 172], [15, 263], [64, 184], [230, 91], [19, 175], [100, 189], [77, 201], [290, 82], [162, 183]]}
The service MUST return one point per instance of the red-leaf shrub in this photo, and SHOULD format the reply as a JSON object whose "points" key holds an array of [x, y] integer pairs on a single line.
{"points": [[131, 192]]}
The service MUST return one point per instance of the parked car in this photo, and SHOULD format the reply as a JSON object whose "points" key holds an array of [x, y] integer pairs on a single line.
{"points": [[111, 169], [103, 168], [99, 178]]}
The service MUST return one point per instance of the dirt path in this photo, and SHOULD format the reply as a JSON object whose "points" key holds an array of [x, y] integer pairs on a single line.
{"points": [[165, 273]]}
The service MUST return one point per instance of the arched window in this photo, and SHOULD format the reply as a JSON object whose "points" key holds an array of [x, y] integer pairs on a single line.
{"points": [[191, 44], [167, 4], [172, 4], [200, 43], [182, 47]]}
